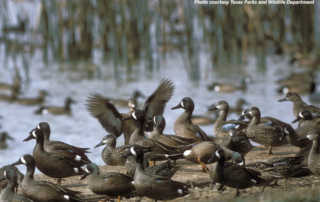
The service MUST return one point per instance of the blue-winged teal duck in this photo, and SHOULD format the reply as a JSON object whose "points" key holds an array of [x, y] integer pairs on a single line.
{"points": [[51, 164], [293, 135], [223, 107], [41, 190], [76, 154], [33, 101], [183, 125], [229, 88], [170, 140], [8, 193], [269, 135], [111, 184], [4, 183], [298, 104], [120, 102], [111, 119], [314, 156], [305, 118], [234, 175], [302, 88], [111, 154], [237, 143], [296, 78], [66, 109], [166, 169], [4, 136], [154, 186]]}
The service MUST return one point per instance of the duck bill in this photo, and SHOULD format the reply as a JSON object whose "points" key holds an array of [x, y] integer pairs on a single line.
{"points": [[29, 138], [212, 108], [17, 163], [126, 154], [242, 117], [282, 100], [296, 120], [100, 144], [176, 107], [84, 176], [213, 159], [303, 139]]}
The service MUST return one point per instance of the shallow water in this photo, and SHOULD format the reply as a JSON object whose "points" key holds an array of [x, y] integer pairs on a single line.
{"points": [[82, 130]]}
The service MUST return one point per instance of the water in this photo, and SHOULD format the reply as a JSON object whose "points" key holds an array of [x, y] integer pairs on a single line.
{"points": [[82, 130]]}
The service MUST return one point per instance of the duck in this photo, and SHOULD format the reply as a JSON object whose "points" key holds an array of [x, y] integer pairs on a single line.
{"points": [[111, 154], [42, 190], [237, 143], [269, 135], [4, 182], [229, 88], [74, 153], [66, 109], [301, 88], [202, 120], [154, 186], [305, 118], [111, 120], [298, 104], [183, 125], [8, 193], [170, 140], [9, 97], [4, 136], [112, 184], [235, 176], [123, 103], [294, 78], [33, 101], [223, 107], [293, 135], [239, 106], [314, 156], [52, 164]]}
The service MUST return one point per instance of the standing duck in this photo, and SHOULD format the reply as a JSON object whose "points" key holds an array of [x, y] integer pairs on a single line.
{"points": [[76, 154], [66, 109], [305, 118], [8, 193], [51, 164], [41, 190], [33, 101], [111, 184], [270, 135], [109, 117], [170, 140], [183, 125], [154, 186]]}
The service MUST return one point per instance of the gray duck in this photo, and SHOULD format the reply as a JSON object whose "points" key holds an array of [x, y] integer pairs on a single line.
{"points": [[111, 120], [51, 164], [269, 135], [233, 175], [33, 101], [154, 186], [170, 140], [183, 125], [42, 190], [305, 118], [112, 184], [76, 154], [4, 182], [4, 136], [66, 109], [8, 193]]}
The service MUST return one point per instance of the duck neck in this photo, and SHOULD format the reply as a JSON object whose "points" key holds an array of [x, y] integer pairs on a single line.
{"points": [[112, 145], [10, 186], [223, 114], [315, 147], [139, 163], [219, 168], [39, 144], [138, 128], [67, 106], [185, 117], [46, 135], [255, 120], [30, 172]]}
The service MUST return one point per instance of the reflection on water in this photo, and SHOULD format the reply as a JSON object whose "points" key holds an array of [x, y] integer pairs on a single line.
{"points": [[82, 130]]}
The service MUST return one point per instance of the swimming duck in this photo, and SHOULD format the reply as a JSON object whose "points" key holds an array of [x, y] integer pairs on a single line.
{"points": [[295, 78], [202, 120], [298, 104], [239, 106], [66, 109], [270, 135], [135, 95], [302, 88], [41, 190], [170, 140], [305, 118], [51, 164], [112, 184], [154, 186], [234, 175], [223, 107], [76, 154], [4, 136], [4, 182], [111, 119], [9, 97], [229, 88], [183, 125], [8, 193], [314, 156], [33, 101]]}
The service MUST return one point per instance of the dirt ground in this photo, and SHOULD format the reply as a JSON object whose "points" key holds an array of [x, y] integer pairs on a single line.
{"points": [[298, 189]]}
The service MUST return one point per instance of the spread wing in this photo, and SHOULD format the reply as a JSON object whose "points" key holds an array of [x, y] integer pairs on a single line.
{"points": [[108, 116], [156, 102]]}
